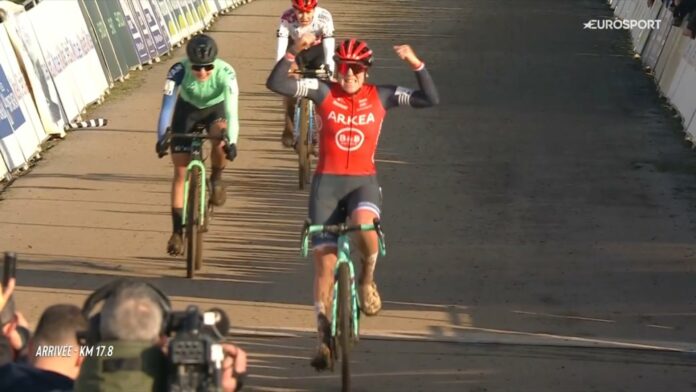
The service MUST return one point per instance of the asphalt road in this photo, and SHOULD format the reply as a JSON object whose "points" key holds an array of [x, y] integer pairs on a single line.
{"points": [[539, 221]]}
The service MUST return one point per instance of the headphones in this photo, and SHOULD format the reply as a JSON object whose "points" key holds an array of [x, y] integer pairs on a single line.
{"points": [[92, 335]]}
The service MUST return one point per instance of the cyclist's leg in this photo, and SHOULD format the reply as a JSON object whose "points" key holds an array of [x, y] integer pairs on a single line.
{"points": [[324, 208], [217, 124], [288, 136], [313, 58], [182, 121], [364, 206]]}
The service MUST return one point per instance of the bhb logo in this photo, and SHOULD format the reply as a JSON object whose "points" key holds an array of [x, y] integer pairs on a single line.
{"points": [[623, 24], [349, 139]]}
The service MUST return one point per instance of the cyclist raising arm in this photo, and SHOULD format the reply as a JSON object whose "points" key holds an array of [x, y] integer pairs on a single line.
{"points": [[305, 17], [345, 183], [207, 95]]}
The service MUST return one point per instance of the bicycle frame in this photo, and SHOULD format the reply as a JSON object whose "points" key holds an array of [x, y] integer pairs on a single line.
{"points": [[310, 128], [343, 253]]}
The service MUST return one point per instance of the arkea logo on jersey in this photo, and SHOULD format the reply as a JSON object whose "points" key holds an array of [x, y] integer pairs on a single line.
{"points": [[361, 119], [349, 139]]}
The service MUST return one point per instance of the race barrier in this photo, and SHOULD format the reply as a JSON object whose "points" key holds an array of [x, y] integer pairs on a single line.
{"points": [[668, 53], [51, 72]]}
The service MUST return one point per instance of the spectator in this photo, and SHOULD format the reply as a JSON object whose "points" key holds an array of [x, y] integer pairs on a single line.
{"points": [[13, 326], [131, 322], [58, 327], [15, 329], [6, 354]]}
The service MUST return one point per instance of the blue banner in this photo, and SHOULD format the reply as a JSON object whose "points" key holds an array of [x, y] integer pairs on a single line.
{"points": [[10, 113]]}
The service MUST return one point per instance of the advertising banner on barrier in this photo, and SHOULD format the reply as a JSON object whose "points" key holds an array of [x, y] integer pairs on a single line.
{"points": [[69, 53], [80, 50], [32, 130], [640, 35], [691, 129], [150, 28], [672, 57], [90, 10], [682, 91], [216, 5], [179, 12], [690, 54], [141, 46], [203, 11], [18, 139], [158, 22], [192, 16], [656, 41], [56, 61], [46, 96], [119, 33], [140, 24], [170, 19]]}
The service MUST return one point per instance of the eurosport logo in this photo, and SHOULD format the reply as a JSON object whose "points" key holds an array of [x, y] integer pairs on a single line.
{"points": [[624, 24]]}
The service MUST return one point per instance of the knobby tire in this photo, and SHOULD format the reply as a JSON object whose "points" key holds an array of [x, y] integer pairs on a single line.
{"points": [[192, 230], [304, 145], [344, 328]]}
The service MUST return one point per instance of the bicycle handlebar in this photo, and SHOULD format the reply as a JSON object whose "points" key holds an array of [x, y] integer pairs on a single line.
{"points": [[342, 229], [312, 73], [168, 136]]}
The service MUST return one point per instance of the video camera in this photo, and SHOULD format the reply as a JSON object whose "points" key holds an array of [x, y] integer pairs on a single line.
{"points": [[194, 352]]}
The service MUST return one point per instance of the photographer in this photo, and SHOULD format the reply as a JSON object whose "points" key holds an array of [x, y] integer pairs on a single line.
{"points": [[46, 371], [134, 323]]}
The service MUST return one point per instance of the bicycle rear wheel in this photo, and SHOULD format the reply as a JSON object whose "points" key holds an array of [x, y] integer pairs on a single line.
{"points": [[344, 330], [193, 232], [304, 145]]}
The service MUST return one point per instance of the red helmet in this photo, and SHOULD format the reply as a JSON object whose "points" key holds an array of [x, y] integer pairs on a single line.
{"points": [[353, 51], [304, 5]]}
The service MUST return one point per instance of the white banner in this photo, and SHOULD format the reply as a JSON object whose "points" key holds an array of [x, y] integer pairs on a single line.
{"points": [[32, 127], [69, 54], [18, 140], [43, 89]]}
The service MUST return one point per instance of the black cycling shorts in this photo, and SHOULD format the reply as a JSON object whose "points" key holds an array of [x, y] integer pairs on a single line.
{"points": [[310, 58], [334, 198], [187, 116]]}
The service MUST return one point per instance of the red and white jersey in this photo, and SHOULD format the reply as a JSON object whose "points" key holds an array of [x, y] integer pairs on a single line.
{"points": [[322, 25], [350, 128]]}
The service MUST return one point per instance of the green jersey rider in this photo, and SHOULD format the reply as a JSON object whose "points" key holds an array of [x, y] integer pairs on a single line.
{"points": [[208, 94]]}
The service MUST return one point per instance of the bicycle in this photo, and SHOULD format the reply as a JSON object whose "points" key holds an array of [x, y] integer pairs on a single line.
{"points": [[195, 220], [304, 126], [345, 313]]}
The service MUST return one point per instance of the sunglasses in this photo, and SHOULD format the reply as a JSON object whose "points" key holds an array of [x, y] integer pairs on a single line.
{"points": [[207, 67], [343, 68]]}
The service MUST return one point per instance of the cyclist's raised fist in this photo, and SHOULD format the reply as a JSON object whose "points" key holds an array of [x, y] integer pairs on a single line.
{"points": [[304, 42], [406, 53]]}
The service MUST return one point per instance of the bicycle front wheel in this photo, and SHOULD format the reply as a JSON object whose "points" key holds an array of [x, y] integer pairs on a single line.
{"points": [[304, 145], [193, 234], [344, 320]]}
